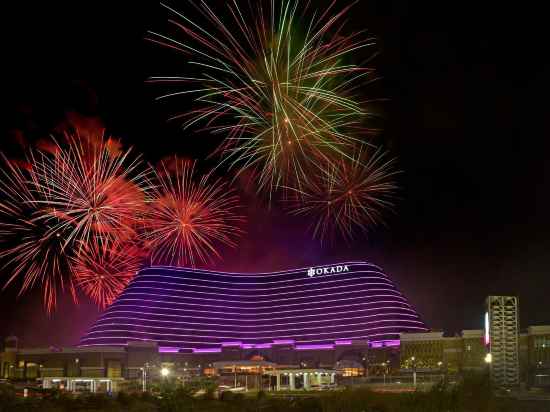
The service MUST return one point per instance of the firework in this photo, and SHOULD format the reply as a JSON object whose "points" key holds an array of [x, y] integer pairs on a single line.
{"points": [[279, 89], [92, 187], [70, 195], [32, 242], [102, 271], [187, 220], [348, 197]]}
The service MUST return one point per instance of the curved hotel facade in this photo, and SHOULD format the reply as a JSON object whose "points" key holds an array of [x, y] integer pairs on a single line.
{"points": [[200, 311]]}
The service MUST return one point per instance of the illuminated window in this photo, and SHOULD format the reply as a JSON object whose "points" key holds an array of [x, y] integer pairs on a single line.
{"points": [[114, 369], [542, 342], [352, 371], [209, 371], [32, 370]]}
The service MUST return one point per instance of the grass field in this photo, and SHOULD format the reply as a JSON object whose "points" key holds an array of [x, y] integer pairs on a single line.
{"points": [[473, 394]]}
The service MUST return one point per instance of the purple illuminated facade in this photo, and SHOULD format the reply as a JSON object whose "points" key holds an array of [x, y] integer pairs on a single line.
{"points": [[199, 311]]}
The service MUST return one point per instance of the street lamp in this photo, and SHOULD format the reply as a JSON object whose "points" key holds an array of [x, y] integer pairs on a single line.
{"points": [[144, 376], [488, 360], [366, 366], [413, 359], [165, 372], [440, 364]]}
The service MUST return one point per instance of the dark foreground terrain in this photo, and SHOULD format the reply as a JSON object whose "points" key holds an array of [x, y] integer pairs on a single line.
{"points": [[474, 394]]}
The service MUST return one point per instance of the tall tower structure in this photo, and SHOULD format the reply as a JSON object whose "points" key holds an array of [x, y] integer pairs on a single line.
{"points": [[502, 337]]}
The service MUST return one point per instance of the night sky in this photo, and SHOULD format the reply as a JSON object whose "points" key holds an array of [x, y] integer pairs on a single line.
{"points": [[467, 118]]}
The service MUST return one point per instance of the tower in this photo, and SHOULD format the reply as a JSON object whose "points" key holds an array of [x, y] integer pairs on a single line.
{"points": [[502, 331]]}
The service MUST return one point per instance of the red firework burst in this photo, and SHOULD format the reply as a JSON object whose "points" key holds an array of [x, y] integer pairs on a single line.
{"points": [[74, 193], [348, 197], [187, 220], [92, 189], [103, 271], [32, 244]]}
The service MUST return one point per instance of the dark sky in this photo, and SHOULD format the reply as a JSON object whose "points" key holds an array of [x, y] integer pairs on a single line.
{"points": [[467, 118]]}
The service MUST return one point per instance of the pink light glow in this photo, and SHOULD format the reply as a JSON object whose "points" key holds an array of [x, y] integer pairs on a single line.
{"points": [[255, 326], [116, 310], [269, 345], [263, 345], [168, 349], [207, 350], [182, 288], [314, 347], [231, 344], [385, 343], [300, 310], [279, 342], [297, 279], [178, 307], [265, 274], [254, 299], [399, 299]]}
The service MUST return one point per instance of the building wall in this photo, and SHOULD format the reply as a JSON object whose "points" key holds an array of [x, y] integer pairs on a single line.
{"points": [[539, 345], [9, 359], [422, 351], [433, 353], [473, 350], [452, 354], [538, 359], [128, 362], [468, 352], [523, 340]]}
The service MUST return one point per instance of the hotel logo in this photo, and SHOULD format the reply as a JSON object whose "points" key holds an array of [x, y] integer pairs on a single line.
{"points": [[327, 271]]}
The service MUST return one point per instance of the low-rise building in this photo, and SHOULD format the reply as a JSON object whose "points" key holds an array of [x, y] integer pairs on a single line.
{"points": [[538, 357], [473, 350], [138, 364], [422, 352], [433, 352]]}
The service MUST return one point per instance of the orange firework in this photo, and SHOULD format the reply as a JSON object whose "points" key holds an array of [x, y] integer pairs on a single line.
{"points": [[187, 219], [32, 242], [349, 196], [102, 271], [92, 189], [69, 195]]}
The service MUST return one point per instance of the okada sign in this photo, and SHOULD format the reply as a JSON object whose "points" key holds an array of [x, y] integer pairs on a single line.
{"points": [[327, 271]]}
